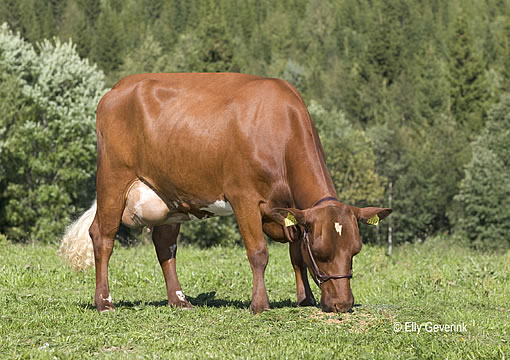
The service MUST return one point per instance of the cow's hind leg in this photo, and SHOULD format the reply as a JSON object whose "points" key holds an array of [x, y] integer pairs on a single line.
{"points": [[103, 247], [165, 242], [102, 231], [111, 185], [304, 293], [249, 220]]}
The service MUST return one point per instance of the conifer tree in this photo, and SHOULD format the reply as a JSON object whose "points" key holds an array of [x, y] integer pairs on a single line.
{"points": [[85, 29], [10, 12], [152, 9], [469, 98], [148, 57], [484, 195], [107, 50], [216, 53], [31, 24]]}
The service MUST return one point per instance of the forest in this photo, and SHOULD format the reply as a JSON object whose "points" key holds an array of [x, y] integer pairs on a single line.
{"points": [[410, 97]]}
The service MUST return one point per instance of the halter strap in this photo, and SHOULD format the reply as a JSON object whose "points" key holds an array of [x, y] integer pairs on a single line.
{"points": [[325, 199], [318, 276]]}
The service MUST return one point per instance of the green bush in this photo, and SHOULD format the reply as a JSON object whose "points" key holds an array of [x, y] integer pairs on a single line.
{"points": [[47, 146]]}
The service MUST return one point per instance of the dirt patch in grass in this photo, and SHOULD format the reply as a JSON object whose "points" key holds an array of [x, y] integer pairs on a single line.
{"points": [[357, 322]]}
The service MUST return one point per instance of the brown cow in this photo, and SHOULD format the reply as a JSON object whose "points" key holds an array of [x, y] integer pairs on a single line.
{"points": [[179, 147]]}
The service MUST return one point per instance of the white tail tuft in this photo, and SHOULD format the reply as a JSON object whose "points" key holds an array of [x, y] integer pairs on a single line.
{"points": [[76, 246]]}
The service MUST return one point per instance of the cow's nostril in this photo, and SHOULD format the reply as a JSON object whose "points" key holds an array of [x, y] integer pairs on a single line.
{"points": [[340, 307]]}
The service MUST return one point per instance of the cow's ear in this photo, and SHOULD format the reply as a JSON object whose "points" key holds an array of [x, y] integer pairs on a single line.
{"points": [[371, 215], [288, 216]]}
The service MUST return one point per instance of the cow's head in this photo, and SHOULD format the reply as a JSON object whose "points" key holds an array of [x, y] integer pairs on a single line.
{"points": [[333, 239]]}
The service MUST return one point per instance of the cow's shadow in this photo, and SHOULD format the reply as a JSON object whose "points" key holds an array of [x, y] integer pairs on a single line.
{"points": [[202, 300], [209, 300]]}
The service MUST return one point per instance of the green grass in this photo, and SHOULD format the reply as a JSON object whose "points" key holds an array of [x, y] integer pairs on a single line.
{"points": [[46, 308]]}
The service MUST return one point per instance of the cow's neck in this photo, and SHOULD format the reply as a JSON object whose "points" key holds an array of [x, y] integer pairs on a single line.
{"points": [[309, 179]]}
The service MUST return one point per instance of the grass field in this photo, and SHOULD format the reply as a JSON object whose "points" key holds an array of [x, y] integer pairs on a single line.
{"points": [[46, 308]]}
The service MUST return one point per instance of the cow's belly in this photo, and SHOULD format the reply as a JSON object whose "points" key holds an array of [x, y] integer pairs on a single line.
{"points": [[145, 208]]}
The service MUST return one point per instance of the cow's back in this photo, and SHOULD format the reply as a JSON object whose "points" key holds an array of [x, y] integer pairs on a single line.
{"points": [[194, 135]]}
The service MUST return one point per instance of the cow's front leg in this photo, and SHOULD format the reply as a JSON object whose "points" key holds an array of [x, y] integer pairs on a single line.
{"points": [[165, 242], [304, 293], [250, 226]]}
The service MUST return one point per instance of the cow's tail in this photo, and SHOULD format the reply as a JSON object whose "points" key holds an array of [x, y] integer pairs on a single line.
{"points": [[76, 246]]}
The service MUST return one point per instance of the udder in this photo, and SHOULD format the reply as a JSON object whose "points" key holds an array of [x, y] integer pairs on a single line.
{"points": [[144, 207]]}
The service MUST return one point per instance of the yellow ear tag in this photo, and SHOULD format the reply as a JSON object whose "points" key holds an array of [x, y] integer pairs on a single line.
{"points": [[374, 220], [290, 220]]}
